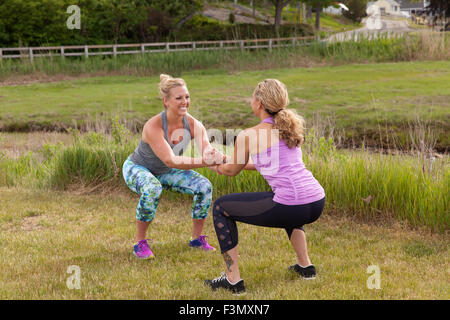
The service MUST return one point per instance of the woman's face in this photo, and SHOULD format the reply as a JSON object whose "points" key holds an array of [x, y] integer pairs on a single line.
{"points": [[255, 103], [178, 101]]}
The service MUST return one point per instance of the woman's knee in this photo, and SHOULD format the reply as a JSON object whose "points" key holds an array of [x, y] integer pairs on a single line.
{"points": [[204, 187], [148, 202], [145, 216], [152, 190], [218, 210]]}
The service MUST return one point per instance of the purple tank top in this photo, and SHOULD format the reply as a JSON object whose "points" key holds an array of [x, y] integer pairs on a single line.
{"points": [[284, 170]]}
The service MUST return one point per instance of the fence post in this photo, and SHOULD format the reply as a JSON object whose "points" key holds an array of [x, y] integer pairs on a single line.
{"points": [[193, 46], [221, 44], [293, 42], [242, 45], [31, 55], [167, 47], [1, 54], [270, 45], [142, 48], [62, 53], [86, 52], [115, 50]]}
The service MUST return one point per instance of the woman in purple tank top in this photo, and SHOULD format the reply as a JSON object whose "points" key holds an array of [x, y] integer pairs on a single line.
{"points": [[273, 148]]}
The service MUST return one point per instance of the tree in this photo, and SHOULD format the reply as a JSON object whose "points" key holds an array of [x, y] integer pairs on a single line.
{"points": [[279, 6], [38, 22], [356, 9], [440, 7], [319, 5]]}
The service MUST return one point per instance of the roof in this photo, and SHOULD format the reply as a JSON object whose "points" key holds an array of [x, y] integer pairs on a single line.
{"points": [[404, 4], [395, 3]]}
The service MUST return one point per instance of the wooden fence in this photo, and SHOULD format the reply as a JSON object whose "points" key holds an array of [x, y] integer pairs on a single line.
{"points": [[143, 48]]}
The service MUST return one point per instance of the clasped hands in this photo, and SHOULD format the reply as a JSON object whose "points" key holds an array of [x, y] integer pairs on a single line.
{"points": [[214, 158]]}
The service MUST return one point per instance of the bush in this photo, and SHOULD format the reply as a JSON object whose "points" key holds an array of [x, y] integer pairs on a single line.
{"points": [[201, 28], [357, 10]]}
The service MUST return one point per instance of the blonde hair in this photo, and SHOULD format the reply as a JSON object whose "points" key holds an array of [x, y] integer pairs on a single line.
{"points": [[166, 83], [274, 98]]}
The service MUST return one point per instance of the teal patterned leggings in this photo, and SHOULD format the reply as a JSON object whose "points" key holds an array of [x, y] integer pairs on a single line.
{"points": [[140, 180]]}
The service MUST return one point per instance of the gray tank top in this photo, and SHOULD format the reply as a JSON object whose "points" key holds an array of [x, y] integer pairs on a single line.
{"points": [[144, 156]]}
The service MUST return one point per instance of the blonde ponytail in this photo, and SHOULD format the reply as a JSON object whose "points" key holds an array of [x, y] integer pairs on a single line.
{"points": [[291, 127]]}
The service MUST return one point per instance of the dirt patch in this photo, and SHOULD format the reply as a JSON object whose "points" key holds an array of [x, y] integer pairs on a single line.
{"points": [[300, 101], [17, 144], [39, 77], [32, 223], [20, 80]]}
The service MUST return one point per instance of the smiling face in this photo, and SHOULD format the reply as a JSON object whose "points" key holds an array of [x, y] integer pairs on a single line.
{"points": [[178, 100]]}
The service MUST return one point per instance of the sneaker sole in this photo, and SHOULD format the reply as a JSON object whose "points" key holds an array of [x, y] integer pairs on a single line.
{"points": [[197, 248], [140, 258], [226, 290], [303, 277]]}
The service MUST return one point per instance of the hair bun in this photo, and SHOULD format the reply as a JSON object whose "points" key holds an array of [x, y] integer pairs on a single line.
{"points": [[164, 77]]}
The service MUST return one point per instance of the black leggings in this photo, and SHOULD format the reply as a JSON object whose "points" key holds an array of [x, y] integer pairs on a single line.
{"points": [[258, 208]]}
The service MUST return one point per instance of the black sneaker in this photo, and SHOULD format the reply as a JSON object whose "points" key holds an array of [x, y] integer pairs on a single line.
{"points": [[308, 273], [222, 282]]}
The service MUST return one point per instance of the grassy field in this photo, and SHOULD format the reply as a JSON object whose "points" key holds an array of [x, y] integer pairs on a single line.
{"points": [[63, 200], [54, 230], [366, 185], [381, 105]]}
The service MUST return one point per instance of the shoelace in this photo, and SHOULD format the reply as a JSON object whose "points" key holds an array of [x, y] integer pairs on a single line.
{"points": [[202, 239], [144, 242], [222, 277]]}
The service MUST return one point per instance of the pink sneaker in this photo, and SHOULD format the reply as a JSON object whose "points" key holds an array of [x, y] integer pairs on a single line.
{"points": [[201, 243], [142, 250]]}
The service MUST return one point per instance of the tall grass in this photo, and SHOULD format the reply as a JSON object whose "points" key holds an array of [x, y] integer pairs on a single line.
{"points": [[371, 186], [423, 46]]}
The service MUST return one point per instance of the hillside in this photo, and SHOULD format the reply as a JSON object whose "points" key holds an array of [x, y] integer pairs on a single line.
{"points": [[265, 15]]}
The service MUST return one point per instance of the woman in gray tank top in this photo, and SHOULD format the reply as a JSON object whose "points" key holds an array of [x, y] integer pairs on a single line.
{"points": [[158, 163]]}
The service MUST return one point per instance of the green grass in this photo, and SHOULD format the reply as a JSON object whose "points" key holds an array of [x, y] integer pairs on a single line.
{"points": [[331, 23], [381, 104], [380, 208], [367, 186], [54, 230]]}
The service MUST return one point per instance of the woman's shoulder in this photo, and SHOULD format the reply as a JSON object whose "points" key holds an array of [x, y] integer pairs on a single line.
{"points": [[257, 128], [194, 124], [191, 120], [260, 135], [153, 125], [154, 122], [248, 133]]}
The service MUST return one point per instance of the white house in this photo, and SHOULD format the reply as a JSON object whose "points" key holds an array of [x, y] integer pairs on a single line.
{"points": [[385, 7], [333, 10]]}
